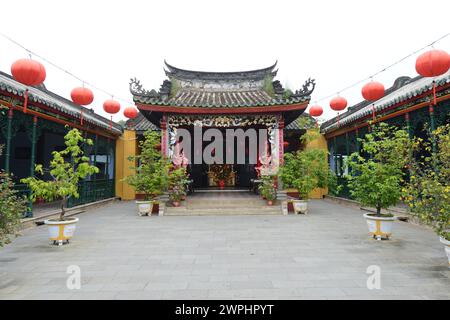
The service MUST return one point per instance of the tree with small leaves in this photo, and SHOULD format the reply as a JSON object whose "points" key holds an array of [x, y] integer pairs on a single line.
{"points": [[376, 178], [66, 169]]}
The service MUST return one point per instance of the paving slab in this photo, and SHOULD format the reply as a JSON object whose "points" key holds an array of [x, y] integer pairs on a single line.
{"points": [[324, 255]]}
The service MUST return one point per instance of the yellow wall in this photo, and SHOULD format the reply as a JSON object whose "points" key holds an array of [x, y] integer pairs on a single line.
{"points": [[319, 143], [125, 147]]}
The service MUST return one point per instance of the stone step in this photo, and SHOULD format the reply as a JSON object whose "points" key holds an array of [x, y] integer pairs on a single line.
{"points": [[260, 210], [225, 203]]}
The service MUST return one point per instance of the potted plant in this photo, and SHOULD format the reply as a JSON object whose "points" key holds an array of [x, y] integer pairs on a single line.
{"points": [[66, 170], [151, 172], [377, 173], [177, 185], [267, 189], [428, 189], [12, 208], [305, 171]]}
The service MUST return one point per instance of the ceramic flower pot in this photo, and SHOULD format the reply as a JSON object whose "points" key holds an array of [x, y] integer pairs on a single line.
{"points": [[221, 184], [144, 207], [446, 243], [300, 206], [379, 227], [269, 202], [176, 203], [61, 232]]}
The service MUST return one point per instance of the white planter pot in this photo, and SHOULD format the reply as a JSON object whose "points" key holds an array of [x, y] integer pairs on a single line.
{"points": [[61, 231], [380, 227], [144, 207], [300, 206], [447, 248]]}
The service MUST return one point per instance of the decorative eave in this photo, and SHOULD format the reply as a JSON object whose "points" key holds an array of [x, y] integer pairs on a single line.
{"points": [[242, 110], [44, 98], [404, 91]]}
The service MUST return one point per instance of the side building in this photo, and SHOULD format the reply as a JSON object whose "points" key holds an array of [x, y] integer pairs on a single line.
{"points": [[407, 104], [30, 138]]}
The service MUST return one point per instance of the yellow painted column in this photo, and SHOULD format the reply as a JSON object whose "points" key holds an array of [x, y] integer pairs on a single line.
{"points": [[319, 143], [126, 146]]}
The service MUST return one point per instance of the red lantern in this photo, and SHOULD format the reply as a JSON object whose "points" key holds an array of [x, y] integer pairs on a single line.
{"points": [[316, 111], [112, 107], [286, 144], [30, 73], [372, 91], [338, 103], [83, 97], [130, 112], [433, 63]]}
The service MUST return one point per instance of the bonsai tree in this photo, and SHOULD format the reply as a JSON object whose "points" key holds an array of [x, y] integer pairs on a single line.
{"points": [[151, 172], [377, 173], [267, 188], [177, 184], [306, 169], [66, 169], [12, 207], [428, 189]]}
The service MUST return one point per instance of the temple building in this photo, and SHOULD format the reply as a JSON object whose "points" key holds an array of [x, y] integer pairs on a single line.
{"points": [[408, 104], [222, 100], [30, 137]]}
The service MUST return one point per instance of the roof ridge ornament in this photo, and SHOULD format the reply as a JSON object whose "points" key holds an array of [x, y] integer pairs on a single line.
{"points": [[307, 89], [137, 89]]}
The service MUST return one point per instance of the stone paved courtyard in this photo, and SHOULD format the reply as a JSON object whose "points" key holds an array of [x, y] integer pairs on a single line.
{"points": [[320, 256]]}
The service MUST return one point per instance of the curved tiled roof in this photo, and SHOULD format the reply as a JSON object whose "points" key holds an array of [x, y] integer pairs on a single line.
{"points": [[183, 74], [403, 89], [140, 124]]}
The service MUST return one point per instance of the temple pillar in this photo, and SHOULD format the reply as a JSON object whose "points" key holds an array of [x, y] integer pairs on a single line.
{"points": [[164, 136], [281, 141], [29, 213], [335, 156], [280, 132], [357, 139], [8, 139], [408, 124]]}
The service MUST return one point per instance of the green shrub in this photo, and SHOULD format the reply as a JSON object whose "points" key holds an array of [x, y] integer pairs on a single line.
{"points": [[428, 189]]}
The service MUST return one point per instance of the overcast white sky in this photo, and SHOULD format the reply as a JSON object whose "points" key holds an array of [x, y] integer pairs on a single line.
{"points": [[335, 42]]}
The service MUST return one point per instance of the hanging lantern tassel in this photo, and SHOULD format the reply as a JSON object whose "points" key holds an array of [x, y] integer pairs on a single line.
{"points": [[25, 102], [81, 117], [110, 123], [339, 120]]}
